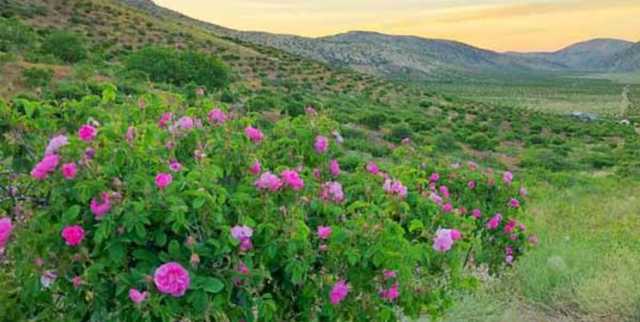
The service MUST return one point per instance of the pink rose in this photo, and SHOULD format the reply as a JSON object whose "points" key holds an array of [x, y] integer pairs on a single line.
{"points": [[73, 235], [339, 292], [99, 208], [255, 135], [217, 116], [163, 180], [255, 168], [321, 144], [443, 240], [334, 168], [5, 231], [136, 296], [87, 133], [324, 232], [69, 170], [292, 179], [172, 279]]}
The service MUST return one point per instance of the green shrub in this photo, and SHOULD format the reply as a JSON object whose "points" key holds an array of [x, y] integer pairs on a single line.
{"points": [[180, 67], [288, 272], [66, 46], [399, 132], [37, 77], [14, 36]]}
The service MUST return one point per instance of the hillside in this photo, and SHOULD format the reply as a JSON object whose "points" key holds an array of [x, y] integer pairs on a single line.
{"points": [[416, 58], [585, 56]]}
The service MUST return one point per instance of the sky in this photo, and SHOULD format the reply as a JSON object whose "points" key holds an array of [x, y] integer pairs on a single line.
{"points": [[503, 25]]}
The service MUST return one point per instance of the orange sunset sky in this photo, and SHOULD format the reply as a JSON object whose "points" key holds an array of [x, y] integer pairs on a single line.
{"points": [[525, 25]]}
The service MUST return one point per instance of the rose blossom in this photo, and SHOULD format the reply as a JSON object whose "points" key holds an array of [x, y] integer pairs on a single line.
{"points": [[172, 279], [163, 180], [69, 170], [321, 144], [136, 296], [324, 232], [87, 133], [339, 292], [6, 227], [102, 207], [217, 116], [73, 235], [253, 134]]}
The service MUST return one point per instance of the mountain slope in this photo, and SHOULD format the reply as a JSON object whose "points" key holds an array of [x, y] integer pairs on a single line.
{"points": [[584, 56], [416, 58], [627, 60]]}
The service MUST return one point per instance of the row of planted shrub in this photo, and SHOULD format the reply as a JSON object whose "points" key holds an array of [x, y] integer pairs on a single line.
{"points": [[159, 211]]}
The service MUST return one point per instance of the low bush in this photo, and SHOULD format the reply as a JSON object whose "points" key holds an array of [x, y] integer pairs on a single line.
{"points": [[37, 77], [180, 67], [66, 46]]}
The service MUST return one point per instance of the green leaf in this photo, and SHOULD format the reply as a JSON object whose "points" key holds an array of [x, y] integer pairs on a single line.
{"points": [[71, 214], [208, 284], [415, 225]]}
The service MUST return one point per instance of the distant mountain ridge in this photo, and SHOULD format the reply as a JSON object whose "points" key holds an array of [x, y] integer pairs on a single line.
{"points": [[416, 58]]}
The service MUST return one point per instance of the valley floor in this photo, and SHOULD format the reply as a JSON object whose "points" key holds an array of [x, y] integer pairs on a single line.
{"points": [[586, 267]]}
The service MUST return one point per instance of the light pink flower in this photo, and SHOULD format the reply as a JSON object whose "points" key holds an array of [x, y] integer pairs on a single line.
{"points": [[523, 192], [87, 133], [55, 144], [253, 134], [334, 168], [77, 281], [494, 222], [332, 191], [269, 181], [217, 116], [255, 168], [73, 235], [434, 177], [339, 292], [435, 198], [372, 167], [246, 245], [175, 166], [6, 227], [507, 177], [292, 179], [185, 123], [471, 184], [48, 278], [476, 213], [241, 232], [388, 274], [163, 180], [395, 187], [69, 170], [447, 208], [443, 240], [130, 135], [136, 296], [172, 279], [321, 144], [444, 191], [99, 208], [324, 232]]}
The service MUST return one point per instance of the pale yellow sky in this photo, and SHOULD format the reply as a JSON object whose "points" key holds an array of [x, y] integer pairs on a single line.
{"points": [[524, 25]]}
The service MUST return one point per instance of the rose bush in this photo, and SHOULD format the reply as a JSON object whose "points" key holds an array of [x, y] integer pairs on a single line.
{"points": [[159, 211]]}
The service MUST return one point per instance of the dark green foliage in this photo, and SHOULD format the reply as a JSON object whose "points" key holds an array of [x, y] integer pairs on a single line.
{"points": [[400, 131], [15, 36], [180, 67], [373, 120], [66, 46], [37, 77]]}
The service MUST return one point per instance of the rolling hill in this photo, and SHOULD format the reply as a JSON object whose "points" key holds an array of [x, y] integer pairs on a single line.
{"points": [[416, 58]]}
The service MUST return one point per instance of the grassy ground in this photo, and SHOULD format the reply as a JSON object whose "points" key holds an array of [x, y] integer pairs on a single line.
{"points": [[586, 268], [558, 94]]}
